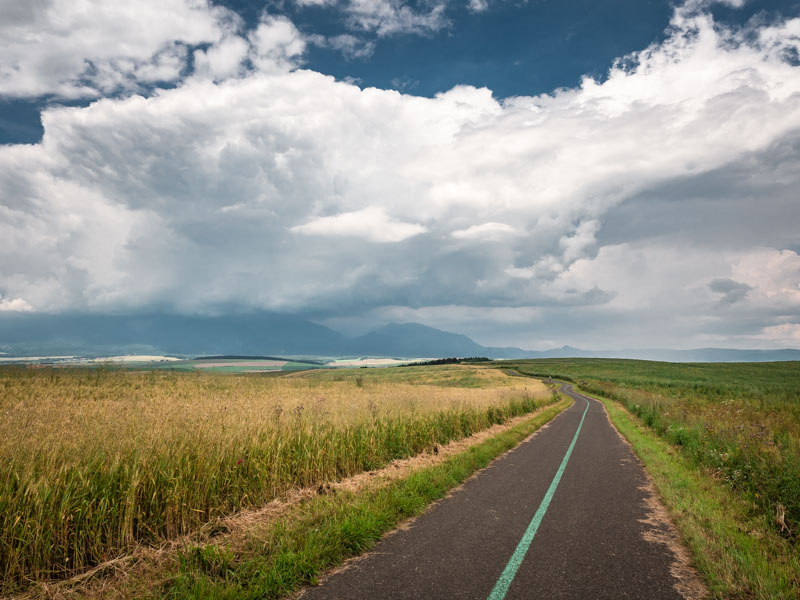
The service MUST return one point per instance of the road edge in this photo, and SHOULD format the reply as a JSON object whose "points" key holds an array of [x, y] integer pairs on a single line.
{"points": [[731, 551], [689, 583]]}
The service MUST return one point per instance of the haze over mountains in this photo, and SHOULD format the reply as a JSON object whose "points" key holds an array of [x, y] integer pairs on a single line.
{"points": [[278, 334]]}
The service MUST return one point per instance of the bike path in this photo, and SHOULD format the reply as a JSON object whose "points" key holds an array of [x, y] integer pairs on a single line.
{"points": [[589, 542]]}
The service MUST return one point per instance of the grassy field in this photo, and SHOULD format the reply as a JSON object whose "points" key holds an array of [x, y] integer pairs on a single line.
{"points": [[737, 422], [96, 461], [738, 552]]}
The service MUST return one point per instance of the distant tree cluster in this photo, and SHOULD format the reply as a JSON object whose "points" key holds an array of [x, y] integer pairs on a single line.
{"points": [[448, 361]]}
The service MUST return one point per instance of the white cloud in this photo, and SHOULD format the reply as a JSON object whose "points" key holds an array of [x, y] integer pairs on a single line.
{"points": [[478, 5], [784, 335], [283, 189], [637, 276], [372, 224], [222, 60], [14, 305], [389, 17], [575, 245], [485, 231], [92, 47], [276, 44], [703, 4], [775, 274], [351, 46]]}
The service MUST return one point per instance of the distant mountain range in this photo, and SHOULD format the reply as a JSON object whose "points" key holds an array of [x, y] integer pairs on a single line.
{"points": [[413, 340], [258, 333], [276, 334]]}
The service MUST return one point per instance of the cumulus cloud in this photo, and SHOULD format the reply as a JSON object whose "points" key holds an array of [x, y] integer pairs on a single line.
{"points": [[222, 60], [14, 305], [785, 335], [372, 224], [94, 48], [77, 49], [775, 273], [485, 231], [629, 206], [276, 44]]}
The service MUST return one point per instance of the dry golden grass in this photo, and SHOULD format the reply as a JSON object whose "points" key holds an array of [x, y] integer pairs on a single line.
{"points": [[57, 413], [95, 461]]}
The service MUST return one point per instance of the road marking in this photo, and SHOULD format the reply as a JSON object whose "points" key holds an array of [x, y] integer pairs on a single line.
{"points": [[504, 582]]}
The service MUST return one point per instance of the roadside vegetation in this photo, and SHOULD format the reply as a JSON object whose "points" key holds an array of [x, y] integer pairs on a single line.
{"points": [[293, 551], [96, 461], [734, 426]]}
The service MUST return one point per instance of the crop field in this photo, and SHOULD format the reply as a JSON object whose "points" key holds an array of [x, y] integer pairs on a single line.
{"points": [[97, 461], [741, 420], [231, 365]]}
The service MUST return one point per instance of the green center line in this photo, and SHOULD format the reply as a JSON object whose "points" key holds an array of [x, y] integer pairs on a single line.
{"points": [[504, 582]]}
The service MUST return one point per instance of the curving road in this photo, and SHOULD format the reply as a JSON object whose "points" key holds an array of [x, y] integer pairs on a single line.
{"points": [[563, 515]]}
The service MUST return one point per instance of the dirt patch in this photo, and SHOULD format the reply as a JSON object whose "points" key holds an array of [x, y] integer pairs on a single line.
{"points": [[147, 565], [661, 530]]}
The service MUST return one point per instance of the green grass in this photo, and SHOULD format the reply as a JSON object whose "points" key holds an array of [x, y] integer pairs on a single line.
{"points": [[738, 552], [765, 386], [296, 550]]}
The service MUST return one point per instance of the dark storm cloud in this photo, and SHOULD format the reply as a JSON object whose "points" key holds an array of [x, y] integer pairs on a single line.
{"points": [[750, 201], [732, 291]]}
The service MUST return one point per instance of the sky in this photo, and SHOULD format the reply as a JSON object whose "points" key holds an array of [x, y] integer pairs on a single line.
{"points": [[619, 174]]}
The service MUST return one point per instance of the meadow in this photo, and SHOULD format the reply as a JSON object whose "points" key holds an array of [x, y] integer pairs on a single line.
{"points": [[741, 421], [97, 461]]}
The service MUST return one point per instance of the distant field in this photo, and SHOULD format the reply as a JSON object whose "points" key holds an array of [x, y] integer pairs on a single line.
{"points": [[459, 376], [238, 365], [233, 365], [742, 420], [95, 461], [221, 364]]}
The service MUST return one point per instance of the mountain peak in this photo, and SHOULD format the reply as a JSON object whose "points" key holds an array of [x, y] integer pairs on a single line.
{"points": [[415, 340]]}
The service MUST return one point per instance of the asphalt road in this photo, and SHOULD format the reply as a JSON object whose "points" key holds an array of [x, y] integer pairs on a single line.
{"points": [[590, 542]]}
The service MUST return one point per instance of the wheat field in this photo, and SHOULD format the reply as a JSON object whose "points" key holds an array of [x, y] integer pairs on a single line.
{"points": [[95, 461]]}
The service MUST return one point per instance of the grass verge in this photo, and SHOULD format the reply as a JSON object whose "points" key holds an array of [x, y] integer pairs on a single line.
{"points": [[739, 554], [327, 530]]}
